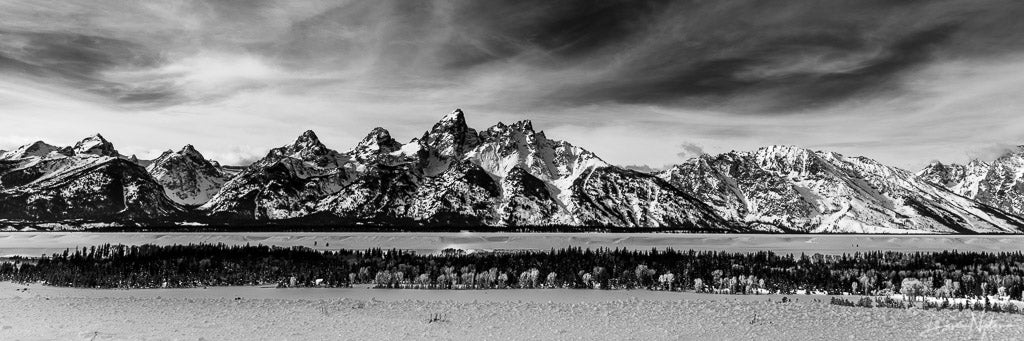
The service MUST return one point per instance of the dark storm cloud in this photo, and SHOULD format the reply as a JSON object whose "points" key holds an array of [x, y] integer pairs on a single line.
{"points": [[780, 57], [742, 56], [745, 56], [566, 29]]}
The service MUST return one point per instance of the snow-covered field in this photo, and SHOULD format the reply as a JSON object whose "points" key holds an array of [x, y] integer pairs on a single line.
{"points": [[250, 313], [38, 243]]}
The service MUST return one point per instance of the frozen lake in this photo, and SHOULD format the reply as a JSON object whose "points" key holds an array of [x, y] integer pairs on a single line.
{"points": [[38, 243]]}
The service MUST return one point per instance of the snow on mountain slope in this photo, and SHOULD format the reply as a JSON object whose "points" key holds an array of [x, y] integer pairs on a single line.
{"points": [[287, 183], [95, 145], [38, 149], [378, 147], [781, 188], [382, 193], [512, 175], [187, 177], [960, 179], [463, 195], [111, 188], [446, 142], [38, 161], [612, 196], [91, 184], [427, 180], [527, 201], [557, 163], [507, 175], [998, 184]]}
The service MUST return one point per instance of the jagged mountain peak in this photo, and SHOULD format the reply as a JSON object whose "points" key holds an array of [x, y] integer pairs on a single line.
{"points": [[524, 126], [792, 159], [448, 139], [38, 144], [187, 177], [510, 174], [34, 149], [998, 184], [452, 124], [456, 116], [307, 139], [84, 188], [377, 142], [376, 138], [187, 156], [306, 147], [977, 163], [784, 151], [791, 188], [189, 149], [95, 145]]}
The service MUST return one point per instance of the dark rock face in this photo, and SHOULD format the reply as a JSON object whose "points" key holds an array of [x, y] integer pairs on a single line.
{"points": [[445, 143]]}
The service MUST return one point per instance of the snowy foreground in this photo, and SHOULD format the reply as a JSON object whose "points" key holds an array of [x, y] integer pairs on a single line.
{"points": [[253, 313]]}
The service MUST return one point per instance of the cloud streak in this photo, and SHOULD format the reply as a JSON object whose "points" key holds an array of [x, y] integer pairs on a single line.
{"points": [[860, 76]]}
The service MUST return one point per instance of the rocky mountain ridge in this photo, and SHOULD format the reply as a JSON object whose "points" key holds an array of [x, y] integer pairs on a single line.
{"points": [[507, 176], [998, 184], [790, 189]]}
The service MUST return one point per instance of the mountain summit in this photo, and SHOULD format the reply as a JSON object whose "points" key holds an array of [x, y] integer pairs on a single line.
{"points": [[38, 149], [88, 181], [95, 145], [790, 189], [186, 176], [509, 176], [998, 184]]}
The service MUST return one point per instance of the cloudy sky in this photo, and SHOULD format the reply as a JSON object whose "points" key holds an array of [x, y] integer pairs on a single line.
{"points": [[637, 82]]}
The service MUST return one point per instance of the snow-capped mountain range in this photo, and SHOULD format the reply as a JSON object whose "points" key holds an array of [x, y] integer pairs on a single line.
{"points": [[782, 188], [508, 175]]}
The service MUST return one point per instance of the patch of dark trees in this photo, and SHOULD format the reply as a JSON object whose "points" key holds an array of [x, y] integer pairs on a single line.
{"points": [[949, 274]]}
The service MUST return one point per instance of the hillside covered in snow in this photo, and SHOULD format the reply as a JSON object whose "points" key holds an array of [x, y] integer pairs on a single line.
{"points": [[506, 176]]}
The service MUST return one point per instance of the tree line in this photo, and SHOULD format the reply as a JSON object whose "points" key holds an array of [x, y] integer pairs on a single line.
{"points": [[940, 274]]}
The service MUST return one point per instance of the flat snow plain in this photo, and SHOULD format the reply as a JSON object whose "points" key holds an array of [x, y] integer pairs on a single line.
{"points": [[34, 244], [254, 313]]}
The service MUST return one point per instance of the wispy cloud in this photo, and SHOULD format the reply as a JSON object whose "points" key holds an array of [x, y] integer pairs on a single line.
{"points": [[888, 79]]}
